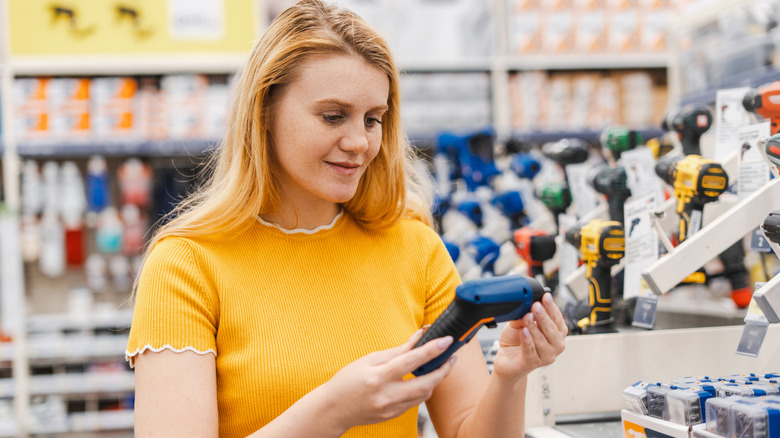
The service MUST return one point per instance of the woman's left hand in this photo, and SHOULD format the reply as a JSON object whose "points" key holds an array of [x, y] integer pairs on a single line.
{"points": [[531, 342]]}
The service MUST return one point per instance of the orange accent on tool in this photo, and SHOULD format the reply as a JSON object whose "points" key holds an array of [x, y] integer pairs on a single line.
{"points": [[475, 326], [742, 297]]}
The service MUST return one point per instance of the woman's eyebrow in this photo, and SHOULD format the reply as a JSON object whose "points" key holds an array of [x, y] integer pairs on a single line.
{"points": [[344, 104]]}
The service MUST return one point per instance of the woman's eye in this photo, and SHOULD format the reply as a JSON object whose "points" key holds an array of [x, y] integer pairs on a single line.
{"points": [[332, 118], [371, 121]]}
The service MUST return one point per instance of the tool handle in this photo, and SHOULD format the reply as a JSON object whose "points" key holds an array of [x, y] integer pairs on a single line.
{"points": [[535, 269], [616, 204], [461, 320], [600, 294], [690, 143]]}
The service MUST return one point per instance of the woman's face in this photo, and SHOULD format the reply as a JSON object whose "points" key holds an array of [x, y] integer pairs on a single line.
{"points": [[326, 128]]}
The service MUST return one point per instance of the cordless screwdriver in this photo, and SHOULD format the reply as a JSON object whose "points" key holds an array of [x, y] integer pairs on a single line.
{"points": [[485, 301], [765, 101], [690, 122], [612, 182], [535, 247], [601, 245], [566, 151], [556, 197], [771, 226], [772, 148], [696, 181], [619, 139]]}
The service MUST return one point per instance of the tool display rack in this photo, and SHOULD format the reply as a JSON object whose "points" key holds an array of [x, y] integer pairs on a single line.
{"points": [[585, 383], [85, 341]]}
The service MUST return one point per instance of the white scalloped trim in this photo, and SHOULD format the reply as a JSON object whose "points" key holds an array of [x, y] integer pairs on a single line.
{"points": [[130, 357], [302, 230]]}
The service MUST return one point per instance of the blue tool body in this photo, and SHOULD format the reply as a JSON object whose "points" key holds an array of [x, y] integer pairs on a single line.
{"points": [[485, 301]]}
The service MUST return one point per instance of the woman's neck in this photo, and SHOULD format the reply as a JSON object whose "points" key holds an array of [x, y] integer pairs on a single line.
{"points": [[306, 217]]}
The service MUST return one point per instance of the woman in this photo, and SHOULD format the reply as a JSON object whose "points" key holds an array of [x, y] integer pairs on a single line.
{"points": [[285, 297]]}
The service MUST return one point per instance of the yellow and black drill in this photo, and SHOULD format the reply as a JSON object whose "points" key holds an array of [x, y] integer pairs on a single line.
{"points": [[601, 244], [697, 181]]}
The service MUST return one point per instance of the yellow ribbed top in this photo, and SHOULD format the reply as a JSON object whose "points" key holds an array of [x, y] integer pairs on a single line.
{"points": [[283, 312]]}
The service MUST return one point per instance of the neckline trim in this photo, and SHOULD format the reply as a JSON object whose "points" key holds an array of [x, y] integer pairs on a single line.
{"points": [[302, 230]]}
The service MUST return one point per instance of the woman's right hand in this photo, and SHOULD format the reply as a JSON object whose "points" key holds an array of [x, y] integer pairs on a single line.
{"points": [[372, 389]]}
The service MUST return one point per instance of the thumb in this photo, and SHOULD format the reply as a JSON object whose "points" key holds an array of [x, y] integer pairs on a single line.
{"points": [[517, 324]]}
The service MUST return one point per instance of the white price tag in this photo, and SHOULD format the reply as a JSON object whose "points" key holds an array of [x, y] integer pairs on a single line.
{"points": [[640, 172], [730, 115], [583, 196], [753, 170], [641, 243], [694, 224], [196, 19], [570, 256]]}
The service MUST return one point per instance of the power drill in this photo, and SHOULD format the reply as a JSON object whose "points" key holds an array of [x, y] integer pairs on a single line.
{"points": [[511, 205], [612, 182], [525, 165], [690, 122], [485, 301], [535, 247], [619, 139], [484, 251], [472, 210], [472, 157], [556, 197], [771, 226], [601, 244], [772, 148], [696, 181], [566, 151], [765, 101]]}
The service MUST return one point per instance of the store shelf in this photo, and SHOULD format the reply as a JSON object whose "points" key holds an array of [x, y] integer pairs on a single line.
{"points": [[588, 61], [105, 420], [163, 148], [97, 65], [81, 422], [752, 79], [68, 349], [68, 384], [587, 135], [65, 321], [444, 66]]}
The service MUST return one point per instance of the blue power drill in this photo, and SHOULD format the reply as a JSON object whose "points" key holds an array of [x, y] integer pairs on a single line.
{"points": [[485, 301]]}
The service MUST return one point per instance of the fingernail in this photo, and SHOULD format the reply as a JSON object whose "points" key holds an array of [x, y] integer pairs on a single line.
{"points": [[445, 342], [526, 333], [547, 298], [453, 359], [537, 308], [530, 318]]}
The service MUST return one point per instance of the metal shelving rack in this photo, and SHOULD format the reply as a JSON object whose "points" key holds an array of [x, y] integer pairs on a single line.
{"points": [[498, 66], [27, 349]]}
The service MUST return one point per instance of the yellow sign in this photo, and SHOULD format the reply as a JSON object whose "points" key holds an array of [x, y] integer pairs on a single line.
{"points": [[92, 27]]}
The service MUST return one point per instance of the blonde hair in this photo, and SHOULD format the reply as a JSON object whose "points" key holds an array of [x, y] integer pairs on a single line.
{"points": [[242, 184]]}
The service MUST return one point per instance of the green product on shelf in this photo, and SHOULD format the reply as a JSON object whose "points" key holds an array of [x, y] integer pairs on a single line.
{"points": [[556, 196], [618, 140]]}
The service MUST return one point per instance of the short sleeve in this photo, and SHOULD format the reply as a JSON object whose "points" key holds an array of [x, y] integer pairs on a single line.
{"points": [[173, 307], [442, 279]]}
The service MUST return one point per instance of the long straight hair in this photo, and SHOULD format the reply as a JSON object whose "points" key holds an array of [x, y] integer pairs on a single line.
{"points": [[242, 185]]}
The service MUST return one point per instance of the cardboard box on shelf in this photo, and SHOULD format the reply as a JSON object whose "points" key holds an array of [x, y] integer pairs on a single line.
{"points": [[637, 425], [70, 112], [31, 108], [114, 108]]}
